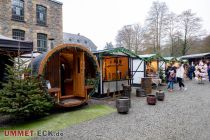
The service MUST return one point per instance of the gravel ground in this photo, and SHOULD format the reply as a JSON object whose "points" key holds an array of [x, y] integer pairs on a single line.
{"points": [[183, 115]]}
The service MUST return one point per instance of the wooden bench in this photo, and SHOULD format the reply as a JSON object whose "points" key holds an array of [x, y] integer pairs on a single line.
{"points": [[56, 92]]}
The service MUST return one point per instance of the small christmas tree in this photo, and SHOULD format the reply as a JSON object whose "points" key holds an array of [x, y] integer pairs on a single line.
{"points": [[23, 97]]}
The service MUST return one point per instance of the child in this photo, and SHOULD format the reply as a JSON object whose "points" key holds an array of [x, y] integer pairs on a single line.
{"points": [[171, 80]]}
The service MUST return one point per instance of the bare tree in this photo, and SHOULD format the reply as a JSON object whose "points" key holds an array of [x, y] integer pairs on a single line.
{"points": [[207, 43], [156, 22], [204, 44], [131, 37], [190, 26], [109, 45], [124, 37], [149, 42], [138, 37], [172, 31]]}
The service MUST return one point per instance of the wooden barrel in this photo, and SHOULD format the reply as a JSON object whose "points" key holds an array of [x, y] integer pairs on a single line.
{"points": [[160, 95], [126, 91], [151, 99], [140, 92], [146, 84], [123, 104]]}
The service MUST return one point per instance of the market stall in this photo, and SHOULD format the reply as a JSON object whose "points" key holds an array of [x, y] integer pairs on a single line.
{"points": [[115, 69], [195, 58], [172, 61], [148, 66]]}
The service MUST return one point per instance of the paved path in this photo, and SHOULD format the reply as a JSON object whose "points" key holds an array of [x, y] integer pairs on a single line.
{"points": [[184, 115]]}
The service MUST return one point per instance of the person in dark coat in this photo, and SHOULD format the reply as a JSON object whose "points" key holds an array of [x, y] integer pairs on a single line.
{"points": [[174, 68], [209, 70], [167, 73], [191, 71]]}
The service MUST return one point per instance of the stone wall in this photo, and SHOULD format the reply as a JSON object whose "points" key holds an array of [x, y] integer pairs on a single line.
{"points": [[53, 29]]}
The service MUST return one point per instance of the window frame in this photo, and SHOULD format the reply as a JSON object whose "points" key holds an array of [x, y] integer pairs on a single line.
{"points": [[17, 4], [42, 43], [18, 34], [38, 11]]}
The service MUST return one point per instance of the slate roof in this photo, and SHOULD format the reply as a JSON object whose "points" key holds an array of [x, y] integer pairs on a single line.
{"points": [[79, 39]]}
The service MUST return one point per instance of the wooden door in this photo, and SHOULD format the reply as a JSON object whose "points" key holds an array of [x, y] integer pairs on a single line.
{"points": [[79, 74], [66, 68]]}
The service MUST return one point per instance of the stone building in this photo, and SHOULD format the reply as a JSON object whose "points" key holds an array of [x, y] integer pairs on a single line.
{"points": [[39, 21], [79, 39]]}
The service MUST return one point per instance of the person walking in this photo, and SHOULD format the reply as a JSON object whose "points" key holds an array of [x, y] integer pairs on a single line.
{"points": [[171, 80], [209, 70], [167, 73], [180, 75], [191, 71]]}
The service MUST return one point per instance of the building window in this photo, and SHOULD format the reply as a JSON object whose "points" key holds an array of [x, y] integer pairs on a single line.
{"points": [[78, 40], [85, 41], [41, 15], [18, 34], [41, 42], [18, 10]]}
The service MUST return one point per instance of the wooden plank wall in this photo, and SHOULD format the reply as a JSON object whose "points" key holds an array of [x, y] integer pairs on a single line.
{"points": [[111, 64], [52, 70]]}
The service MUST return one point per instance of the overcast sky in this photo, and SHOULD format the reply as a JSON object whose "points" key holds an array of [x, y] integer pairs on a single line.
{"points": [[100, 20]]}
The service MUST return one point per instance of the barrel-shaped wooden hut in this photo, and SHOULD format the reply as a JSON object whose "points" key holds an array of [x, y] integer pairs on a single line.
{"points": [[70, 71]]}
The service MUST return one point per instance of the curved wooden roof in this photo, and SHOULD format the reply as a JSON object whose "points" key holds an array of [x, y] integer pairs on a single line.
{"points": [[39, 62]]}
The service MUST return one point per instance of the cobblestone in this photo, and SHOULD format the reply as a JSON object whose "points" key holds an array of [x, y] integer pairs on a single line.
{"points": [[183, 115]]}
